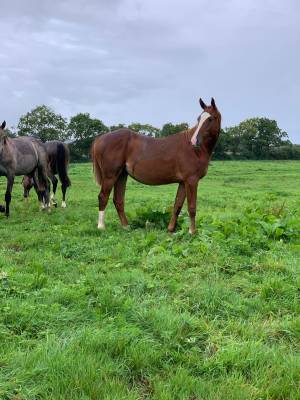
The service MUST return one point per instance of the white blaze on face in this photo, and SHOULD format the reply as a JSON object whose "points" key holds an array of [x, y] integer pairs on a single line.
{"points": [[101, 220], [203, 118]]}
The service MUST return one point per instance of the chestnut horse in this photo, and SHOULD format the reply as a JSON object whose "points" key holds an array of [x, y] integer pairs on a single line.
{"points": [[180, 158]]}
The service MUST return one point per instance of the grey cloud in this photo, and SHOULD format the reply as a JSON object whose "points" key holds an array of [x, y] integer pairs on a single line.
{"points": [[149, 61]]}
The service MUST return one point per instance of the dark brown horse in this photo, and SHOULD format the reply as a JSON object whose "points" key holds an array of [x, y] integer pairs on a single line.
{"points": [[180, 158], [19, 156], [58, 162]]}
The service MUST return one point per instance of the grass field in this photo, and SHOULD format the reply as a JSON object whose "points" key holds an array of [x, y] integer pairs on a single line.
{"points": [[143, 314]]}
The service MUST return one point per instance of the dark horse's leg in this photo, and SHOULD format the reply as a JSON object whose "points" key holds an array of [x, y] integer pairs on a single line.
{"points": [[106, 188], [62, 161], [39, 192], [10, 183], [119, 194], [191, 194], [54, 181], [64, 187], [42, 183], [179, 200]]}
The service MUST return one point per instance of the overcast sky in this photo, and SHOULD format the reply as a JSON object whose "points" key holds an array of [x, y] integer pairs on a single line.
{"points": [[149, 61]]}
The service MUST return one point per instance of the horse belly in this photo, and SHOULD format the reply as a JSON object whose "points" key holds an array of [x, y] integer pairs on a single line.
{"points": [[153, 172], [25, 165]]}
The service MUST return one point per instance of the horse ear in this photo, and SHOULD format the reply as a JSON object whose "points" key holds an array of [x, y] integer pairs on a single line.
{"points": [[3, 125], [213, 104], [202, 104]]}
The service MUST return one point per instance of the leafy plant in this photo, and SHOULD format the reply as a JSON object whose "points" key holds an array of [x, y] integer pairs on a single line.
{"points": [[148, 217]]}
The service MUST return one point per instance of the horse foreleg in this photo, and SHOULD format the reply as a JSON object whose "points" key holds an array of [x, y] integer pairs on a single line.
{"points": [[103, 199], [191, 194], [119, 195], [179, 200], [10, 183]]}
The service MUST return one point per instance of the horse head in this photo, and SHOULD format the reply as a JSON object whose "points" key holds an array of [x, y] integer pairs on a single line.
{"points": [[208, 126]]}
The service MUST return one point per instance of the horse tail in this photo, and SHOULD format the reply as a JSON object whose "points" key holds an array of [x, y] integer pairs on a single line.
{"points": [[62, 161], [96, 166]]}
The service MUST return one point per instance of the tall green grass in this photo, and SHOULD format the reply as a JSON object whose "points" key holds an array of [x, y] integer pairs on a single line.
{"points": [[143, 314]]}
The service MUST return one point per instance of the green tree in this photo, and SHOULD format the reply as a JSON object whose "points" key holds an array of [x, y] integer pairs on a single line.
{"points": [[170, 129], [10, 132], [144, 129], [286, 152], [223, 147], [82, 129], [256, 137], [116, 127], [44, 123]]}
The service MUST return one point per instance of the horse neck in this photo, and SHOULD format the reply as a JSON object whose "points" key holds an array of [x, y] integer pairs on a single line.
{"points": [[207, 143]]}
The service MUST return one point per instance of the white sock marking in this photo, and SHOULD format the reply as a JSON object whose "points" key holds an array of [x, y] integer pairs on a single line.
{"points": [[101, 220], [63, 204]]}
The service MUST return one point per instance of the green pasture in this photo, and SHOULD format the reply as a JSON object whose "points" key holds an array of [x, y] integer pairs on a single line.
{"points": [[144, 314]]}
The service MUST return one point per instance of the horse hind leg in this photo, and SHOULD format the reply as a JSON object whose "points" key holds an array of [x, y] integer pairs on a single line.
{"points": [[106, 187], [54, 182], [64, 187], [119, 195]]}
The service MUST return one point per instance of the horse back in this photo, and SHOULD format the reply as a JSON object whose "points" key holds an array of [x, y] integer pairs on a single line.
{"points": [[112, 145], [26, 154]]}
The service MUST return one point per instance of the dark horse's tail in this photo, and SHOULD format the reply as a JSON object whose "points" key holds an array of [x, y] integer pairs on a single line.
{"points": [[62, 162]]}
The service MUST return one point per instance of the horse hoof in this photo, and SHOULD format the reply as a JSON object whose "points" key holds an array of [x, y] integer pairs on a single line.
{"points": [[101, 227], [2, 208], [192, 231], [126, 227], [63, 204]]}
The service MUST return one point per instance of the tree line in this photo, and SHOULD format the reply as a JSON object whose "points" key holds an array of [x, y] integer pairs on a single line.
{"points": [[255, 138]]}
